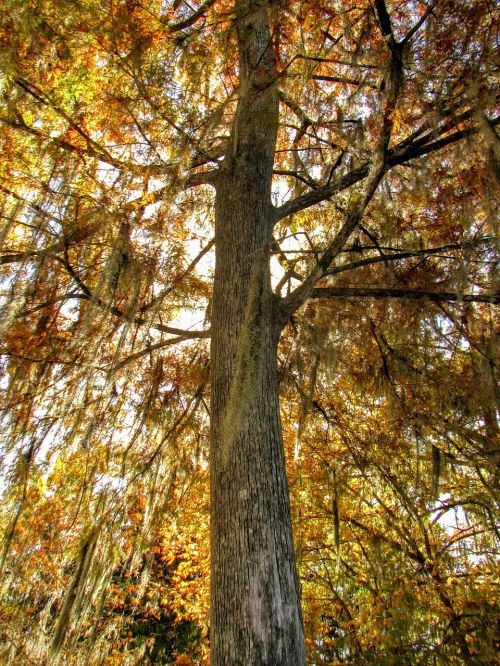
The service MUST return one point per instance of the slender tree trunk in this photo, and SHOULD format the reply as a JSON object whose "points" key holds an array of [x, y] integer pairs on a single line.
{"points": [[256, 616]]}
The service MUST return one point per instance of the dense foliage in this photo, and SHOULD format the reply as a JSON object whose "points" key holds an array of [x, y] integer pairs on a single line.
{"points": [[114, 116]]}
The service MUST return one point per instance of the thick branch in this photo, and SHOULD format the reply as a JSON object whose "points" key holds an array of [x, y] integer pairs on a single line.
{"points": [[376, 171], [400, 154], [300, 295], [340, 79], [419, 23], [191, 20], [384, 21], [401, 254], [413, 294]]}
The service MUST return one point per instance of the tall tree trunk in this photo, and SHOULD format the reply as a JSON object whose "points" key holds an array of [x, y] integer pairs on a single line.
{"points": [[256, 617]]}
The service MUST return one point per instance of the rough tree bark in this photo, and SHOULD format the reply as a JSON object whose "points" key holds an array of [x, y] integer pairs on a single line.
{"points": [[256, 618]]}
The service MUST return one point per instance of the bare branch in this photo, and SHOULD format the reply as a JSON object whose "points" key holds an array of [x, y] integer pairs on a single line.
{"points": [[336, 61], [295, 174], [340, 79]]}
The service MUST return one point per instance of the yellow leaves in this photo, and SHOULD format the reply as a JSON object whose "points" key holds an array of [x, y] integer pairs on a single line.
{"points": [[42, 485]]}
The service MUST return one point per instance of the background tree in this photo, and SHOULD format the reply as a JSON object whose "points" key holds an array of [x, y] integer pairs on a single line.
{"points": [[346, 158]]}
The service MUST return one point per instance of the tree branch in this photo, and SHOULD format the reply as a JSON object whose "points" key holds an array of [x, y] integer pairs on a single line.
{"points": [[376, 171], [400, 154], [294, 300], [157, 299], [413, 294], [419, 23], [94, 149], [35, 92], [384, 21], [38, 209], [115, 311], [341, 79], [193, 180], [148, 350], [400, 254], [191, 20], [296, 175]]}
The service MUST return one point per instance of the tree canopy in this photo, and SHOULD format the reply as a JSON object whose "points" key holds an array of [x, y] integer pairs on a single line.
{"points": [[116, 120]]}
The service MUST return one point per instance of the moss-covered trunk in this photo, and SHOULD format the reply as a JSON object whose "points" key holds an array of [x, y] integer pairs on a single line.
{"points": [[255, 617]]}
